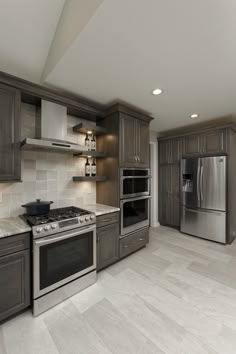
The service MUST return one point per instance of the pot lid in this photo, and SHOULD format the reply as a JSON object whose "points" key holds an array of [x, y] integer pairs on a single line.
{"points": [[38, 202]]}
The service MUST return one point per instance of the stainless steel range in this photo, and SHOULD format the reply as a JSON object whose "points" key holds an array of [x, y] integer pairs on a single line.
{"points": [[64, 255]]}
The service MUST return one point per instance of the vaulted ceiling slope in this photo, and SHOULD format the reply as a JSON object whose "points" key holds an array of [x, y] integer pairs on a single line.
{"points": [[107, 50]]}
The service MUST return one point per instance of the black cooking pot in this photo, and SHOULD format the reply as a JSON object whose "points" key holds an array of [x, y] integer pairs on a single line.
{"points": [[38, 207]]}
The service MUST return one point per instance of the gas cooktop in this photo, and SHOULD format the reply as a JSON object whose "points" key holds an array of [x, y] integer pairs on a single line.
{"points": [[58, 220]]}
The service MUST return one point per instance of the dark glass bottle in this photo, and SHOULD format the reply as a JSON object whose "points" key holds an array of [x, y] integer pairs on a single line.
{"points": [[94, 168], [87, 142], [93, 143], [87, 168]]}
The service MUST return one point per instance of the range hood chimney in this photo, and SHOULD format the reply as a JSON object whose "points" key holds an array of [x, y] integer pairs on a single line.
{"points": [[51, 130]]}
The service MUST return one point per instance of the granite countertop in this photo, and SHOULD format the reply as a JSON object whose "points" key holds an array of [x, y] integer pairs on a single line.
{"points": [[13, 226], [100, 209]]}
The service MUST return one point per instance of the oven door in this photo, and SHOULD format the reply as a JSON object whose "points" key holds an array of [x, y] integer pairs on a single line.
{"points": [[63, 257], [134, 182], [134, 214]]}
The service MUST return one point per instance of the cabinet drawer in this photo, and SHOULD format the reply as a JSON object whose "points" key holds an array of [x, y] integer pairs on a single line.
{"points": [[107, 219], [133, 242], [12, 244]]}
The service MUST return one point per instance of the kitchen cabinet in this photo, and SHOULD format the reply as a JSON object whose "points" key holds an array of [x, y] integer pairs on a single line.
{"points": [[134, 142], [133, 242], [14, 275], [107, 240], [192, 145], [170, 151], [169, 195], [212, 142], [10, 156]]}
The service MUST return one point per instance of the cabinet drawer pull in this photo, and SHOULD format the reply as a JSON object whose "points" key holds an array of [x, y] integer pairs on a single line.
{"points": [[126, 246], [141, 239]]}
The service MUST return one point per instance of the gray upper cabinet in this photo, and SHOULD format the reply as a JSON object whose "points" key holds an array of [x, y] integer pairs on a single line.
{"points": [[134, 142], [209, 143], [10, 163], [192, 145], [127, 141], [142, 133], [164, 152], [214, 142], [170, 151], [107, 245]]}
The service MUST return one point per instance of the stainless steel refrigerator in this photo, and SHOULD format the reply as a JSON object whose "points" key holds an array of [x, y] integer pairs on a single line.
{"points": [[203, 202]]}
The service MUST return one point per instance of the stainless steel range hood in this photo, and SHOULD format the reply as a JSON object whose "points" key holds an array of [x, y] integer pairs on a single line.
{"points": [[51, 131]]}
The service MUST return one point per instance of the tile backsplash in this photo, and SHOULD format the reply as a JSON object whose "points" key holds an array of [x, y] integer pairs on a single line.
{"points": [[47, 175]]}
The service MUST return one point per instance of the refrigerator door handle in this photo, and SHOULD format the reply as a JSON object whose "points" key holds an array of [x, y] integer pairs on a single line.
{"points": [[201, 182], [198, 182]]}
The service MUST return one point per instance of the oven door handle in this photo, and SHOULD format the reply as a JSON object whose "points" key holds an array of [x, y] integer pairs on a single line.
{"points": [[134, 199], [64, 236], [136, 177]]}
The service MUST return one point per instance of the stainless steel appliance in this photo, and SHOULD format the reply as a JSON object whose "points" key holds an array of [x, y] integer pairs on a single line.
{"points": [[203, 203], [135, 214], [134, 182], [64, 255]]}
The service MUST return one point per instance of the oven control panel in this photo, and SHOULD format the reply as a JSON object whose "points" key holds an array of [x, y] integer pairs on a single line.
{"points": [[59, 226]]}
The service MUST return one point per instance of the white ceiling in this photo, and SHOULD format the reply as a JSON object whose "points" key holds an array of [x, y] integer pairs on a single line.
{"points": [[27, 28], [128, 48]]}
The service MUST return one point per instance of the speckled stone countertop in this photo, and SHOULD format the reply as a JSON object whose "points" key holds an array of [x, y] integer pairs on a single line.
{"points": [[100, 209], [13, 226]]}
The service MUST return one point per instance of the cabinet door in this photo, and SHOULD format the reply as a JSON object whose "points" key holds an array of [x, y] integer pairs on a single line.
{"points": [[14, 283], [107, 245], [128, 141], [142, 132], [214, 142], [175, 146], [164, 195], [174, 196], [9, 134], [164, 152], [192, 145]]}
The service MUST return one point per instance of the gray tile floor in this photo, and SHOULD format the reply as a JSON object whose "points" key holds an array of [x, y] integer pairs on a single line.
{"points": [[178, 295]]}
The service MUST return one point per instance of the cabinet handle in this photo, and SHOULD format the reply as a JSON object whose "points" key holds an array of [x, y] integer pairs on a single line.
{"points": [[135, 157], [138, 158], [141, 239], [126, 246]]}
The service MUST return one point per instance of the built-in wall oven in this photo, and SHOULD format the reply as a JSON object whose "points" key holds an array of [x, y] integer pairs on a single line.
{"points": [[135, 213], [134, 182]]}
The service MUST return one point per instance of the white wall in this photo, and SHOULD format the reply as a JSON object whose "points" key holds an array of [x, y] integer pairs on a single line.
{"points": [[154, 180]]}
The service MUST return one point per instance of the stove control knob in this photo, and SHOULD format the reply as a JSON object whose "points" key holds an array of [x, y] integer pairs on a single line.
{"points": [[81, 220], [87, 218], [53, 226], [92, 217], [39, 229], [46, 228]]}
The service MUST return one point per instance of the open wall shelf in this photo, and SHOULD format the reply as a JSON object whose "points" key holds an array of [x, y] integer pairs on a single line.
{"points": [[89, 178], [89, 129], [95, 154]]}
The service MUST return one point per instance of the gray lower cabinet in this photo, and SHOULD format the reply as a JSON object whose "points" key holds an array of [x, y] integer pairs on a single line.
{"points": [[133, 242], [10, 160], [14, 279], [107, 239], [169, 201]]}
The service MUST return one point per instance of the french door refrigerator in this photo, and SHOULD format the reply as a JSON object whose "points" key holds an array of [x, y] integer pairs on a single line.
{"points": [[203, 202]]}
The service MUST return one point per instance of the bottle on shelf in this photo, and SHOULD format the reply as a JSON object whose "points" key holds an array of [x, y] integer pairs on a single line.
{"points": [[94, 168], [87, 168], [93, 143], [87, 142]]}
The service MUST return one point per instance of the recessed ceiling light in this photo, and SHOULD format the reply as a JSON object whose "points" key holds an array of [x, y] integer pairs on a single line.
{"points": [[157, 91], [194, 115]]}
